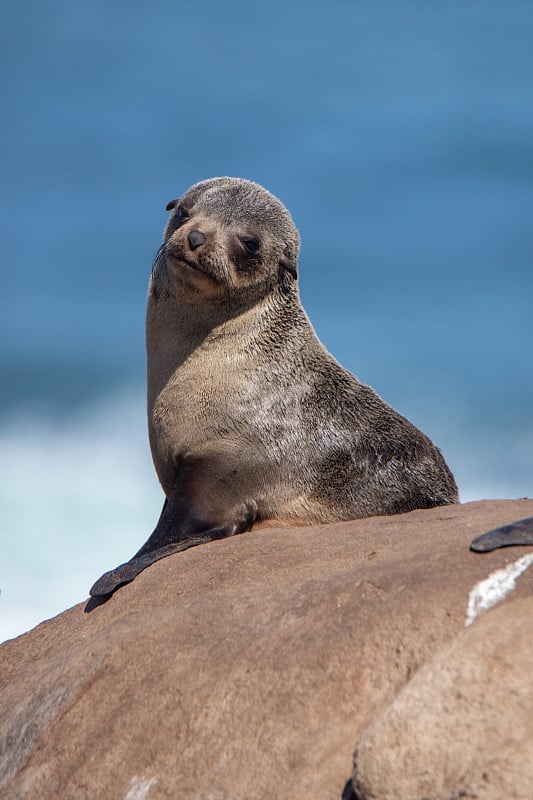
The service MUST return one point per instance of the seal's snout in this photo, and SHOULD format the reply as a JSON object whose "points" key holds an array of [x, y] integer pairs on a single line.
{"points": [[196, 238]]}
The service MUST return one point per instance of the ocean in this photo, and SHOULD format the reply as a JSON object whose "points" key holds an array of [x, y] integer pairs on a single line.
{"points": [[400, 137]]}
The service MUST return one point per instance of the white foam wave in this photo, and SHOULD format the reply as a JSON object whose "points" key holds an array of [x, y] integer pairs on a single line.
{"points": [[76, 499]]}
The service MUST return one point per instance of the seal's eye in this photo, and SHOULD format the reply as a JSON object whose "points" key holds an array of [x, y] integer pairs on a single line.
{"points": [[180, 214], [250, 244]]}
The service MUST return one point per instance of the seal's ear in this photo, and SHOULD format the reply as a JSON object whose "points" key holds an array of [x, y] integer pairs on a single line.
{"points": [[288, 262], [172, 204], [287, 274], [289, 266]]}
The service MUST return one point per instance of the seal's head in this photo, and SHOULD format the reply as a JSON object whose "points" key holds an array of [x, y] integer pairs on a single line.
{"points": [[230, 239]]}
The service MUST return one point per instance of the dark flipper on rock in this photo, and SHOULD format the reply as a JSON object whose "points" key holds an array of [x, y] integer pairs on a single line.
{"points": [[127, 572], [516, 533], [152, 552]]}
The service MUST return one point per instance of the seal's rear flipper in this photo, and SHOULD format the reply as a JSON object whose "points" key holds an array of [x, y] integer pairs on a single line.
{"points": [[125, 573], [516, 533]]}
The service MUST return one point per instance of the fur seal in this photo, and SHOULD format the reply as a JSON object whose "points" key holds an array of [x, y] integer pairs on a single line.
{"points": [[250, 419]]}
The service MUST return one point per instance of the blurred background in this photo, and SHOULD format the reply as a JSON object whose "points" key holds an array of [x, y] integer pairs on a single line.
{"points": [[399, 135]]}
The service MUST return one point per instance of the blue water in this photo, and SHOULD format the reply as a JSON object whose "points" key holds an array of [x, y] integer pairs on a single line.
{"points": [[400, 136]]}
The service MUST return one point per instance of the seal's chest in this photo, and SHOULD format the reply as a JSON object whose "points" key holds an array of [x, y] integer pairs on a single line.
{"points": [[195, 402]]}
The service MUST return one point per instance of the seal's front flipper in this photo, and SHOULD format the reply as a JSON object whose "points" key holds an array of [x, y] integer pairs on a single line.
{"points": [[516, 533], [125, 573]]}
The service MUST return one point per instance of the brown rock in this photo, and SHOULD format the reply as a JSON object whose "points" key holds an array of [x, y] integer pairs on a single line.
{"points": [[463, 727], [246, 668]]}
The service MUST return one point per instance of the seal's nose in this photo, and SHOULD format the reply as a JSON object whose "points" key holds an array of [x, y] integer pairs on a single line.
{"points": [[196, 238]]}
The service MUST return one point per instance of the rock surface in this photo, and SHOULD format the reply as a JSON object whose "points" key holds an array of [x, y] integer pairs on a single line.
{"points": [[463, 727], [252, 667]]}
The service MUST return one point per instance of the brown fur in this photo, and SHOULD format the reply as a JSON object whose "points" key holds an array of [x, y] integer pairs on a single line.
{"points": [[249, 417]]}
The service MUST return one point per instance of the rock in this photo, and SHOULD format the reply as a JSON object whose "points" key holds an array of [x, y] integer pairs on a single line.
{"points": [[463, 727], [250, 667]]}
